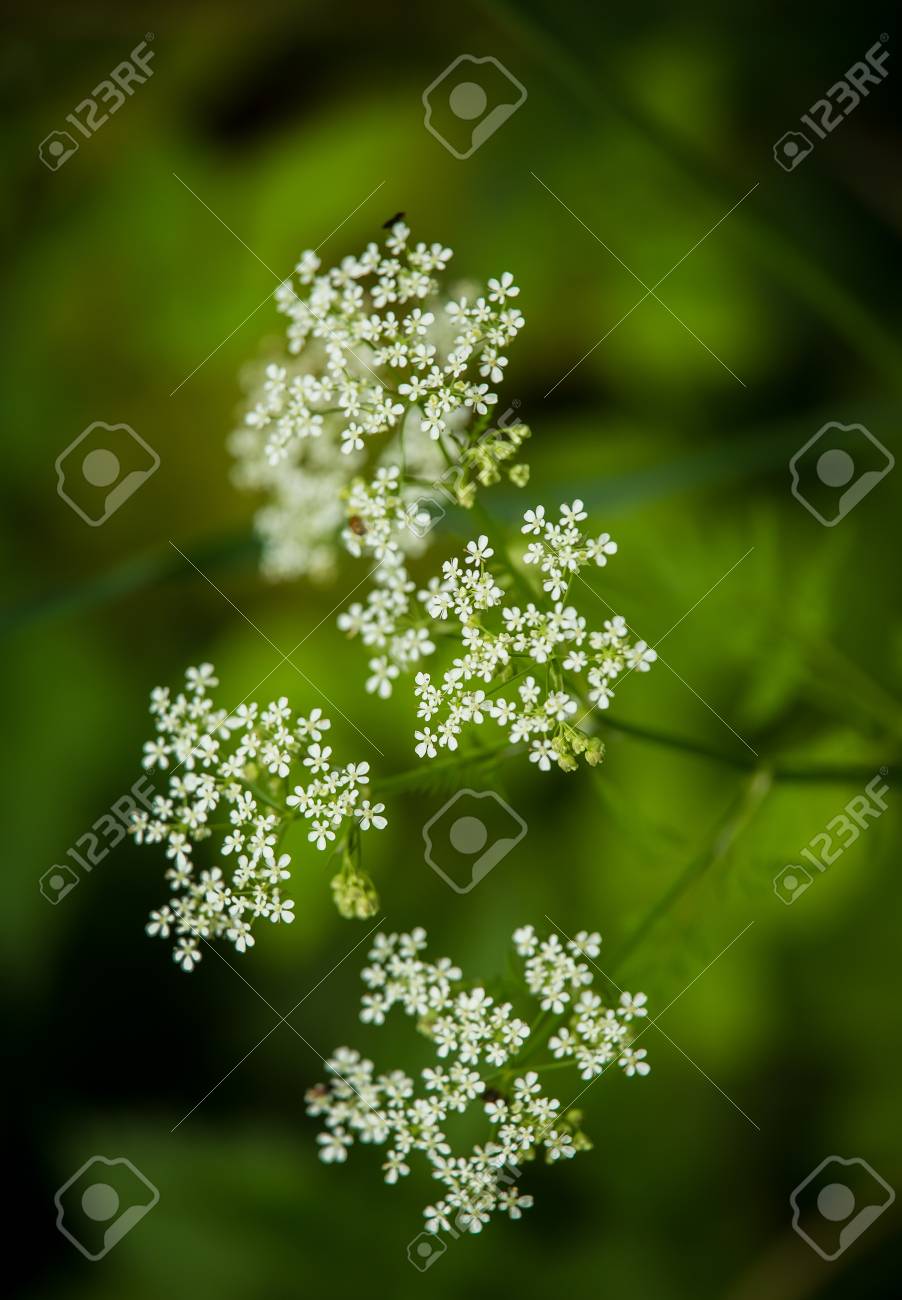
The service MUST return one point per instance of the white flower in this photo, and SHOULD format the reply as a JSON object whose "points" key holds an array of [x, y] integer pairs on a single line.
{"points": [[334, 1146], [534, 521], [559, 1145], [503, 289], [383, 674], [511, 1200], [282, 910], [426, 746], [562, 1043], [160, 923], [633, 1062], [186, 954], [640, 656], [370, 815], [155, 754], [584, 944], [527, 1086], [573, 514], [322, 834], [541, 752], [601, 548], [479, 551], [317, 759], [201, 679], [525, 940], [633, 1006], [395, 1167]]}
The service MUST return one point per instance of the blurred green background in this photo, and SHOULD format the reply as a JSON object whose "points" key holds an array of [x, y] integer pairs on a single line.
{"points": [[130, 301]]}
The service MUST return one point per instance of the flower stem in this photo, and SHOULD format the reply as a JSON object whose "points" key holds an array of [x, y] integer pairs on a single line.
{"points": [[744, 807]]}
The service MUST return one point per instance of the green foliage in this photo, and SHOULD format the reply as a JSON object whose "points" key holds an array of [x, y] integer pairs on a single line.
{"points": [[649, 123]]}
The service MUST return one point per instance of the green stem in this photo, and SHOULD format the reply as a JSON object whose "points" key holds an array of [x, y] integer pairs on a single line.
{"points": [[414, 776], [780, 773], [542, 1022], [831, 667], [751, 796], [566, 1064], [262, 795]]}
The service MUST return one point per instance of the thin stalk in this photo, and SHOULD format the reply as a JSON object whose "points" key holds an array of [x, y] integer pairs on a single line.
{"points": [[741, 811], [413, 776], [780, 773]]}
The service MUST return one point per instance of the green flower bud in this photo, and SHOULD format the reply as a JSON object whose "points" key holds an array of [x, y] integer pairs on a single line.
{"points": [[355, 894]]}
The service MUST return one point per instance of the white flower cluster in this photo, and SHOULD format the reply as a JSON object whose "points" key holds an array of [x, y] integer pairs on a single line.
{"points": [[551, 636], [250, 774], [377, 362], [477, 1037], [594, 1036]]}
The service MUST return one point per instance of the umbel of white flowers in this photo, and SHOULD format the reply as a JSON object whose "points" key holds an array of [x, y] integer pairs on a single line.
{"points": [[261, 769], [496, 642], [382, 367], [544, 645], [476, 1040]]}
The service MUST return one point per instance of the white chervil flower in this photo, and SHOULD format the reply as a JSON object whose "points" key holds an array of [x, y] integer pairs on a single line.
{"points": [[476, 1039], [503, 289], [427, 741], [525, 941], [479, 551], [542, 752], [370, 815], [331, 405], [235, 771], [633, 1062], [334, 1146], [584, 944], [633, 1006], [383, 674], [577, 665], [534, 521]]}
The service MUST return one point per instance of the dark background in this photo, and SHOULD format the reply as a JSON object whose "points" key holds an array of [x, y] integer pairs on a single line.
{"points": [[650, 122]]}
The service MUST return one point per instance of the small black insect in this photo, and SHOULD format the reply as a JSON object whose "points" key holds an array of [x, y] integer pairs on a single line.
{"points": [[399, 216]]}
